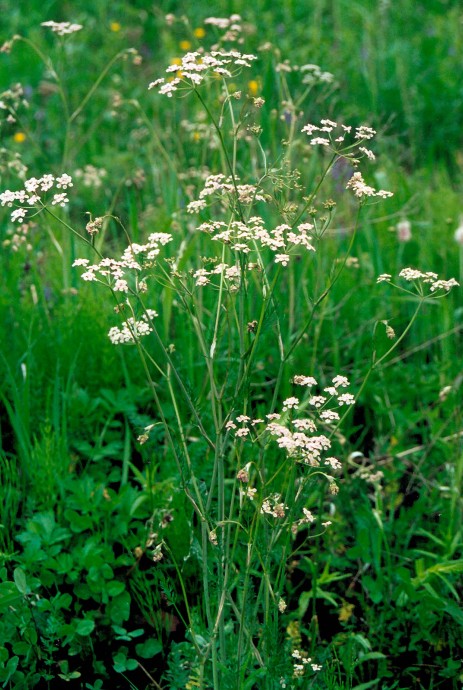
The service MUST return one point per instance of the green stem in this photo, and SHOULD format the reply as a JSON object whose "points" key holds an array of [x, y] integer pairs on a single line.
{"points": [[375, 363], [96, 84], [225, 152]]}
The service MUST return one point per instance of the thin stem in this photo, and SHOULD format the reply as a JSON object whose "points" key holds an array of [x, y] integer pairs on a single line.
{"points": [[225, 152], [326, 291], [96, 84], [375, 363], [314, 193], [74, 232]]}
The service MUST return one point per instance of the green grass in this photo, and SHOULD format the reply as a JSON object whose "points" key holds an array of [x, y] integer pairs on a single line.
{"points": [[86, 509]]}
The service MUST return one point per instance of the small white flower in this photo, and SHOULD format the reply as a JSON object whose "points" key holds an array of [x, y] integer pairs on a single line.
{"points": [[18, 215], [304, 381], [346, 399], [62, 28], [60, 200], [384, 277], [64, 181], [290, 404], [282, 259], [282, 605], [340, 381], [319, 141]]}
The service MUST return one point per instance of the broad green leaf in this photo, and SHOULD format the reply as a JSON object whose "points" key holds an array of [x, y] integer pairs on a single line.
{"points": [[85, 626], [149, 648], [119, 608], [115, 587], [9, 595], [19, 577]]}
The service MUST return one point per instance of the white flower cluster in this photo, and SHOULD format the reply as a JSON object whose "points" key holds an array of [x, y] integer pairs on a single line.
{"points": [[301, 662], [221, 185], [313, 74], [32, 195], [132, 329], [272, 506], [419, 277], [362, 190], [232, 27], [306, 519], [224, 22], [195, 67], [231, 273], [348, 141], [62, 28], [299, 445], [91, 176], [10, 101], [331, 133], [298, 436], [136, 257], [243, 237], [19, 237]]}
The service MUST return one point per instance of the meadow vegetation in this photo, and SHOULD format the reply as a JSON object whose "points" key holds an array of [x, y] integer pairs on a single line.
{"points": [[231, 324]]}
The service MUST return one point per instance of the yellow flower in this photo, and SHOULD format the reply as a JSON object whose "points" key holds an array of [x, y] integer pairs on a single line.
{"points": [[199, 32], [115, 26], [19, 137], [346, 611], [184, 45], [253, 87], [176, 61]]}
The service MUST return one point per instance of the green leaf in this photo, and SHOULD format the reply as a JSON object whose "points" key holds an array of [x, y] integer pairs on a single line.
{"points": [[455, 612], [119, 608], [304, 601], [121, 662], [115, 587], [69, 676], [85, 626], [19, 577], [11, 667], [8, 595], [365, 686], [368, 657], [63, 601], [149, 648], [374, 589], [78, 523], [119, 630], [22, 648]]}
